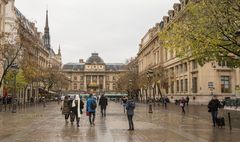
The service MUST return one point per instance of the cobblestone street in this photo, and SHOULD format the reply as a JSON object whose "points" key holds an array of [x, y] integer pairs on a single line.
{"points": [[38, 124]]}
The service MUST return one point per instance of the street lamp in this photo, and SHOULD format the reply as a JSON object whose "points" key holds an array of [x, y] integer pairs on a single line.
{"points": [[15, 68]]}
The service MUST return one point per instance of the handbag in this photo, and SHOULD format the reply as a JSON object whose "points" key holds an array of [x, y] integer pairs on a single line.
{"points": [[87, 113]]}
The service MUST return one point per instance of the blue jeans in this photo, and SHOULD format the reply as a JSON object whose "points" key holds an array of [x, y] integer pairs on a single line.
{"points": [[214, 117]]}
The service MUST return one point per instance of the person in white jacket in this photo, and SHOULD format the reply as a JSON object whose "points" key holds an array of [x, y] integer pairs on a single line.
{"points": [[77, 106]]}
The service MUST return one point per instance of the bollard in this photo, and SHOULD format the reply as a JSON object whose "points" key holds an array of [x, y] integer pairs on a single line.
{"points": [[229, 120]]}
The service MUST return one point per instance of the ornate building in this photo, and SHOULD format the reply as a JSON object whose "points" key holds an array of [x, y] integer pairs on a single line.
{"points": [[185, 77], [2, 30], [93, 75], [36, 47]]}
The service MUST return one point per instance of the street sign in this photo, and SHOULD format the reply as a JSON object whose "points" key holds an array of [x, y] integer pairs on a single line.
{"points": [[210, 85]]}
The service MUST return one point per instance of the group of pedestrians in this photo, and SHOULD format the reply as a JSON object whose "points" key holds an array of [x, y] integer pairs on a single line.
{"points": [[73, 108], [4, 102]]}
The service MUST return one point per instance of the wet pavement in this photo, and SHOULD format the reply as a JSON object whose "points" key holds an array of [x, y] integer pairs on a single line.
{"points": [[38, 124]]}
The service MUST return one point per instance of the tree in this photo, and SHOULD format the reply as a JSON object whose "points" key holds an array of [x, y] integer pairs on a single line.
{"points": [[205, 30], [10, 48], [160, 79], [20, 79]]}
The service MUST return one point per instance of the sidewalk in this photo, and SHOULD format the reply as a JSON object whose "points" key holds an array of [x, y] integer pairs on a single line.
{"points": [[38, 124], [201, 112]]}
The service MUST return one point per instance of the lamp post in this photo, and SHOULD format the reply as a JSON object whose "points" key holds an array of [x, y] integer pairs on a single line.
{"points": [[149, 77], [15, 68]]}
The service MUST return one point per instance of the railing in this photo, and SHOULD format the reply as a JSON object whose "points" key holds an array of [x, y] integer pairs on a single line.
{"points": [[232, 102]]}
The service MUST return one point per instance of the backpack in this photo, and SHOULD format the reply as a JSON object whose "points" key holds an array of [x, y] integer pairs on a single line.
{"points": [[131, 105], [93, 105]]}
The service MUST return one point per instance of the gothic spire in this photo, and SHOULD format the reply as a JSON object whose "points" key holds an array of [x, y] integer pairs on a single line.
{"points": [[46, 35], [59, 50]]}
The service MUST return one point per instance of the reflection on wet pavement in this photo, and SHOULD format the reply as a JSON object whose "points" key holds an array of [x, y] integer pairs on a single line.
{"points": [[38, 124]]}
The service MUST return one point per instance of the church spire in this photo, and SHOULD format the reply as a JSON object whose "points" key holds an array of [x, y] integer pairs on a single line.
{"points": [[46, 35], [59, 50], [46, 24]]}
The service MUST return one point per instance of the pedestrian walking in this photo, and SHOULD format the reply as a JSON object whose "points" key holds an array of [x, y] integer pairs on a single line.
{"points": [[91, 109], [150, 104], [71, 114], [187, 100], [77, 105], [65, 107], [130, 106], [213, 106], [124, 101], [182, 104], [165, 101], [103, 102]]}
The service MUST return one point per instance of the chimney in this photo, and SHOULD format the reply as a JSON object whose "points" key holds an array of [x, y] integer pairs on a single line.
{"points": [[81, 61]]}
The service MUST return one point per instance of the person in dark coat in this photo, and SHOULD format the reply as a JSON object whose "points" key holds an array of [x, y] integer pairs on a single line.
{"points": [[103, 102], [182, 104], [66, 108], [130, 106], [213, 106], [187, 100]]}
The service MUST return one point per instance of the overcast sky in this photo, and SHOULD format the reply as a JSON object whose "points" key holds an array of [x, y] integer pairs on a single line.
{"points": [[112, 28]]}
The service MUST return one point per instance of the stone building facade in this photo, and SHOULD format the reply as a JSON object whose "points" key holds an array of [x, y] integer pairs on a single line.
{"points": [[34, 47], [2, 30], [185, 76], [94, 75]]}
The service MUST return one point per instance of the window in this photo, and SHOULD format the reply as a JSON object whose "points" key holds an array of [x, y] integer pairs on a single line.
{"points": [[114, 86], [181, 85], [225, 84], [194, 64], [172, 87], [181, 68], [75, 78], [81, 78], [194, 85], [75, 86], [177, 85], [114, 78], [223, 64], [186, 85], [176, 69], [185, 67]]}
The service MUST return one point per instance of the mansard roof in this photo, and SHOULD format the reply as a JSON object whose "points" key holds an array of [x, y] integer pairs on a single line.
{"points": [[95, 59]]}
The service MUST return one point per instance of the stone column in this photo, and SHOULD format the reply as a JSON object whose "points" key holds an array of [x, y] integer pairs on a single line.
{"points": [[91, 79], [98, 80], [104, 82]]}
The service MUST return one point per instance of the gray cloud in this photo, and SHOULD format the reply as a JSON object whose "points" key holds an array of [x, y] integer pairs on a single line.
{"points": [[113, 28]]}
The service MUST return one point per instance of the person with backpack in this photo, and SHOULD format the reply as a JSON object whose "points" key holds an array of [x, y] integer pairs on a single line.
{"points": [[130, 106], [91, 109], [103, 102]]}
